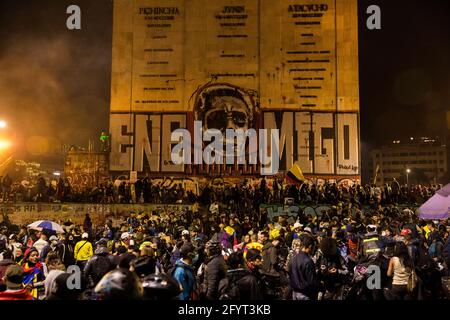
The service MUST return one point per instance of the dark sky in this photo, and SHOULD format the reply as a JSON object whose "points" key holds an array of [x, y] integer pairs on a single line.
{"points": [[56, 83]]}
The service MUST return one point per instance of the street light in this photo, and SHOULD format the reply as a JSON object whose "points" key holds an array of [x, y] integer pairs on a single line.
{"points": [[407, 176], [3, 124], [4, 144]]}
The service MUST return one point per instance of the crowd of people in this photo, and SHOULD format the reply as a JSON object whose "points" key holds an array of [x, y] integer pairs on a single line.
{"points": [[228, 250], [144, 190]]}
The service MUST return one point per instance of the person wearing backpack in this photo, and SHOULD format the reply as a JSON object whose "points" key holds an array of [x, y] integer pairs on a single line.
{"points": [[436, 246], [184, 274], [99, 264], [240, 282]]}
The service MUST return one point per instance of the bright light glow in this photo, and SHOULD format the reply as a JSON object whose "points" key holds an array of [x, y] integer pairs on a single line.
{"points": [[2, 124], [408, 170], [412, 138], [57, 174], [4, 144]]}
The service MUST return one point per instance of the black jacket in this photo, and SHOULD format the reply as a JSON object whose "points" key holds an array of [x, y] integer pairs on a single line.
{"points": [[215, 271], [303, 275], [248, 285], [269, 256], [99, 265], [65, 252]]}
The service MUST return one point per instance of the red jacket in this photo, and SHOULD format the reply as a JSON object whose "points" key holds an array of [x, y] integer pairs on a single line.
{"points": [[23, 294]]}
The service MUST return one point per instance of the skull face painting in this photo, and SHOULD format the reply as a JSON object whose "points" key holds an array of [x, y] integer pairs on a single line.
{"points": [[223, 106], [227, 113]]}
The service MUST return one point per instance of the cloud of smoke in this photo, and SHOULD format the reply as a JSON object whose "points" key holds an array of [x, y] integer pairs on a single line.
{"points": [[54, 83]]}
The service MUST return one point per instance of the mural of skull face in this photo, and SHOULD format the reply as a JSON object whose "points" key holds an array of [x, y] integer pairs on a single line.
{"points": [[227, 113], [223, 106]]}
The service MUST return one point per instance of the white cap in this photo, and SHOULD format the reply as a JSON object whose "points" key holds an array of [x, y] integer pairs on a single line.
{"points": [[307, 229], [297, 225], [185, 232], [124, 235], [53, 237], [85, 235]]}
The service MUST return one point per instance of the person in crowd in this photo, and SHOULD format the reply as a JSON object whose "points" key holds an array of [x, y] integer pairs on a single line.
{"points": [[41, 243], [83, 251], [302, 272], [52, 247], [184, 274], [371, 243], [8, 259], [400, 269], [269, 255], [58, 288], [202, 249], [119, 284], [241, 283], [66, 250], [33, 272], [87, 225], [215, 270], [332, 269], [15, 290], [99, 264]]}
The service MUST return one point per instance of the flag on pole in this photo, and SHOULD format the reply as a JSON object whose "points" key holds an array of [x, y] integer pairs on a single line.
{"points": [[295, 174], [377, 170]]}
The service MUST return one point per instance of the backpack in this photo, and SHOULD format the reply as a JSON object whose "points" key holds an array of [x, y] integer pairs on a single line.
{"points": [[433, 249], [102, 265], [424, 261], [228, 290]]}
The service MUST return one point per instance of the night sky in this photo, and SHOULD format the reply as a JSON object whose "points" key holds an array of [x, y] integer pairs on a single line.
{"points": [[56, 83]]}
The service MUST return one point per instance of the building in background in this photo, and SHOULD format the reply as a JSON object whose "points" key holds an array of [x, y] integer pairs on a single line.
{"points": [[85, 168], [416, 161], [284, 65]]}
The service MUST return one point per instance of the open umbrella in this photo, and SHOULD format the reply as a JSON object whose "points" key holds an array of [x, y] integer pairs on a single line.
{"points": [[46, 225], [438, 206]]}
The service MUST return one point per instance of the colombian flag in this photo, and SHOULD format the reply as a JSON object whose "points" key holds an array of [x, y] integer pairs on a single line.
{"points": [[295, 174]]}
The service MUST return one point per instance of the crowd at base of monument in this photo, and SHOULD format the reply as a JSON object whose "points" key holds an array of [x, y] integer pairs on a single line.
{"points": [[229, 250]]}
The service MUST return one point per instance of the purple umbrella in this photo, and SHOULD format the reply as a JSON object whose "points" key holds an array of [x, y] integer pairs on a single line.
{"points": [[438, 206]]}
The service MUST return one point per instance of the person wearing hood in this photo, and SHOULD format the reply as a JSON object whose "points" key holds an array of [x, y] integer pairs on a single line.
{"points": [[52, 247], [14, 288], [241, 282], [215, 270], [371, 244], [4, 264], [66, 250], [100, 263]]}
